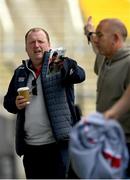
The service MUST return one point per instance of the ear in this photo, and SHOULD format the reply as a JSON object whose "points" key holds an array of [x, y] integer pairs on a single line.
{"points": [[116, 37]]}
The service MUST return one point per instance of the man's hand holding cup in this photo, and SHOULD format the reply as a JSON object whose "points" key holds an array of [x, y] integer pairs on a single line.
{"points": [[23, 98]]}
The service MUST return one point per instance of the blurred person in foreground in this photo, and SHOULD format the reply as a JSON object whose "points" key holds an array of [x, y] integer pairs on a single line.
{"points": [[112, 65], [43, 126]]}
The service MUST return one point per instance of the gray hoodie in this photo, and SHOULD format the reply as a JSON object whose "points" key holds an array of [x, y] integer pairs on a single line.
{"points": [[113, 79]]}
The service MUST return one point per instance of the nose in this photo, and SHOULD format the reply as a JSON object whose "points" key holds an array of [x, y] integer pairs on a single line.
{"points": [[36, 44]]}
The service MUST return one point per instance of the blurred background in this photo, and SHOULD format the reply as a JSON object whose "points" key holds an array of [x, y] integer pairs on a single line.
{"points": [[64, 20]]}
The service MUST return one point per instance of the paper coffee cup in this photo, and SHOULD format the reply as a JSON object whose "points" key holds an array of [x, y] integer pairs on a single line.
{"points": [[24, 91]]}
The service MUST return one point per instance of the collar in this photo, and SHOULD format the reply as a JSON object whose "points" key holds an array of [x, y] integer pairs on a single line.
{"points": [[28, 64], [37, 70]]}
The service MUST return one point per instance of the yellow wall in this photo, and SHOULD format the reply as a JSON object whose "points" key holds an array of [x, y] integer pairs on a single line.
{"points": [[100, 9]]}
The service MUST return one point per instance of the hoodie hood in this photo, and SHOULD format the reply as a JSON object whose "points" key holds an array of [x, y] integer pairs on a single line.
{"points": [[120, 54]]}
